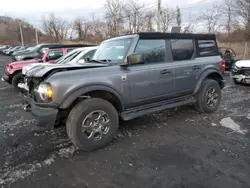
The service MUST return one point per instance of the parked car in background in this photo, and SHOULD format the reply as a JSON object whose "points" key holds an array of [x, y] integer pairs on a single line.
{"points": [[13, 71], [35, 51], [3, 48], [19, 48], [240, 72], [128, 77], [28, 49], [9, 52], [75, 57], [6, 50]]}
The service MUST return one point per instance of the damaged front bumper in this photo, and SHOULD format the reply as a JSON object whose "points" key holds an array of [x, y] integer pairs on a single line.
{"points": [[241, 74], [46, 115]]}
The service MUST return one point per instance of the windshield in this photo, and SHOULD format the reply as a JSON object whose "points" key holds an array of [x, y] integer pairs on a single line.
{"points": [[69, 58], [41, 53], [113, 51], [36, 48]]}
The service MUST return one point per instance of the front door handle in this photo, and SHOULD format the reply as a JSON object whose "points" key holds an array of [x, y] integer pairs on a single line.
{"points": [[165, 71], [196, 67]]}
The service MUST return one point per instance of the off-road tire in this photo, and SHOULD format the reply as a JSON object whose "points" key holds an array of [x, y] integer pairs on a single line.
{"points": [[15, 80], [201, 104], [78, 114]]}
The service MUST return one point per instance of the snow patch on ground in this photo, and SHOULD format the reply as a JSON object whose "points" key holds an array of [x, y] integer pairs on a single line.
{"points": [[67, 152], [11, 106], [229, 123], [22, 171]]}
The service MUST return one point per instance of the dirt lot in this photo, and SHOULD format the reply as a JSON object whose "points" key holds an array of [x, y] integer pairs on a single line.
{"points": [[178, 148]]}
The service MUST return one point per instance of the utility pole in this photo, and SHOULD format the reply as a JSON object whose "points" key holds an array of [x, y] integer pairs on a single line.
{"points": [[36, 36], [21, 33], [159, 15]]}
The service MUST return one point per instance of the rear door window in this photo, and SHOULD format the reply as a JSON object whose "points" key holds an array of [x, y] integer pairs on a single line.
{"points": [[207, 48], [182, 49]]}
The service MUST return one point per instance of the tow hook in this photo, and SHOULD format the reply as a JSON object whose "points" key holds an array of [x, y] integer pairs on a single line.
{"points": [[26, 107]]}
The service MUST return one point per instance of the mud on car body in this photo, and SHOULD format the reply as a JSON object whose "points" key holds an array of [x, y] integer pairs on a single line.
{"points": [[128, 77]]}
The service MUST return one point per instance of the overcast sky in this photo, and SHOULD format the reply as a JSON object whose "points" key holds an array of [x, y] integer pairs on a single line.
{"points": [[32, 11]]}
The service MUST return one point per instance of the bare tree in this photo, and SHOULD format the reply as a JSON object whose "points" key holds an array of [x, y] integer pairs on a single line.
{"points": [[168, 17], [55, 27], [212, 19], [148, 20], [241, 8], [178, 16], [114, 17], [133, 13], [228, 6], [98, 28], [189, 27], [82, 27]]}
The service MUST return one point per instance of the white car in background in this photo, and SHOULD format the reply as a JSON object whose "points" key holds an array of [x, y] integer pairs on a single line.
{"points": [[75, 57]]}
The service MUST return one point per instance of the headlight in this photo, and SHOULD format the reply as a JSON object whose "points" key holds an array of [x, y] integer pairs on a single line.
{"points": [[19, 57], [45, 92]]}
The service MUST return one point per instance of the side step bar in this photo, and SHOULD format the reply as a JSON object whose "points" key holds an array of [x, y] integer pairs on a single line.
{"points": [[126, 116]]}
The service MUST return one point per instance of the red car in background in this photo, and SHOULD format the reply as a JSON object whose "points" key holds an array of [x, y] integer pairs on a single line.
{"points": [[13, 71]]}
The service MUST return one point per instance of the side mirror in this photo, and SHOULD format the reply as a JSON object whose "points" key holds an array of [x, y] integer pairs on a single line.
{"points": [[136, 58], [46, 58]]}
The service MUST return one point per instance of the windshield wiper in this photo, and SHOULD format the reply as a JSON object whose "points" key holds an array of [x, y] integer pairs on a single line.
{"points": [[98, 61]]}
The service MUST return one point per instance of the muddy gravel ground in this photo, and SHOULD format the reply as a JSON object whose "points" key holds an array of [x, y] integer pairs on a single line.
{"points": [[177, 148]]}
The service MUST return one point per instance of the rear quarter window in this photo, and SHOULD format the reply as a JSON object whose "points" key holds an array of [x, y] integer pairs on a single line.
{"points": [[207, 48]]}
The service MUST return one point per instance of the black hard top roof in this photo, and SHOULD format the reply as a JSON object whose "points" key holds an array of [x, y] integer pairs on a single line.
{"points": [[160, 35]]}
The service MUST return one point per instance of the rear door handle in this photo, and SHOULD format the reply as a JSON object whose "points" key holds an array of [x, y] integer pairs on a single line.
{"points": [[165, 71], [196, 67]]}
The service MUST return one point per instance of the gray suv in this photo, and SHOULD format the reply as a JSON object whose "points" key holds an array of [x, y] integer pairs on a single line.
{"points": [[128, 77]]}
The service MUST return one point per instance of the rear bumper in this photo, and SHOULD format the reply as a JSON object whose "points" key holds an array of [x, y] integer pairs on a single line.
{"points": [[46, 116]]}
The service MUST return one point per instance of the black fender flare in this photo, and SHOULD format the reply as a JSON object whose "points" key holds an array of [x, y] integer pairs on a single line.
{"points": [[203, 77], [73, 95]]}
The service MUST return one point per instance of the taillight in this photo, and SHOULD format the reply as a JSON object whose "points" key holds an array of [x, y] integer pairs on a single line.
{"points": [[223, 66]]}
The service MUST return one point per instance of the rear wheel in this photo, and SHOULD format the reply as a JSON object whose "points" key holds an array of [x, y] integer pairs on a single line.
{"points": [[17, 78], [92, 124], [209, 96]]}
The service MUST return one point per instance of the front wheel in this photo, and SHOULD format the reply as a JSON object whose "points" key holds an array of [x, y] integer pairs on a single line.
{"points": [[209, 96], [92, 124], [17, 78]]}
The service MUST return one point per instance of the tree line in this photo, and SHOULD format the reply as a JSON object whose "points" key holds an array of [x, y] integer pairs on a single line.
{"points": [[230, 20]]}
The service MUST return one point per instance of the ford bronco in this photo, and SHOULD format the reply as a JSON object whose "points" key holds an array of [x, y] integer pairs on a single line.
{"points": [[128, 77]]}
